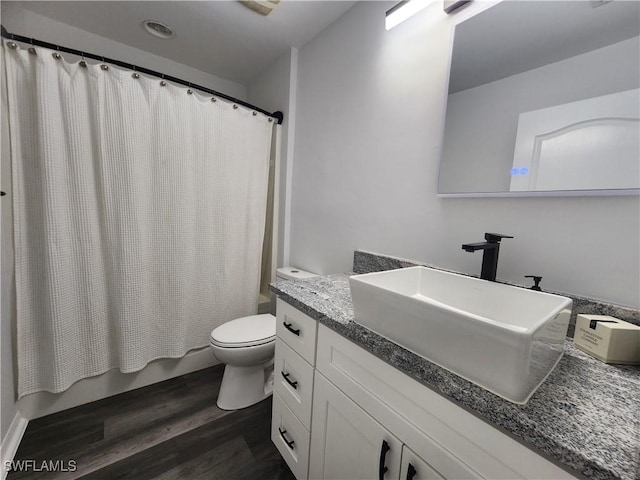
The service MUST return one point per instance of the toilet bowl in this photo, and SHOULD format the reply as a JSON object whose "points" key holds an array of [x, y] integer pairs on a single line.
{"points": [[246, 346]]}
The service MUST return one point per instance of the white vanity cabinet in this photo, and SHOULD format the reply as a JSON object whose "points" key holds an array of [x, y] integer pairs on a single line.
{"points": [[293, 373], [453, 443], [367, 418]]}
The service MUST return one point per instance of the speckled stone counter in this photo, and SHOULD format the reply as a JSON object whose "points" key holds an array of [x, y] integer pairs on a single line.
{"points": [[584, 417]]}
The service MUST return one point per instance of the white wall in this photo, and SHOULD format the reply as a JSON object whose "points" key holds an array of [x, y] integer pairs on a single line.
{"points": [[24, 22], [370, 110], [273, 90], [481, 122]]}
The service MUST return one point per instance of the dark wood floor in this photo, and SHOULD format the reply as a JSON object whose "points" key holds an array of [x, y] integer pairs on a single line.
{"points": [[170, 430]]}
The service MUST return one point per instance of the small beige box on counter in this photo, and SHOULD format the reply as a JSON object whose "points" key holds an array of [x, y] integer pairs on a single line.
{"points": [[608, 339]]}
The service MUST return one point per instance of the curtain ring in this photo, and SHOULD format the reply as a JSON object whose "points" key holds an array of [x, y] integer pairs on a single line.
{"points": [[31, 49], [103, 66], [135, 74], [235, 106], [213, 99], [270, 119], [12, 45], [82, 63], [56, 55], [255, 113], [189, 92], [162, 82]]}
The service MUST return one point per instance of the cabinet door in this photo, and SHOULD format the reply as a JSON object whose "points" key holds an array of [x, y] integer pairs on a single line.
{"points": [[346, 443], [415, 468]]}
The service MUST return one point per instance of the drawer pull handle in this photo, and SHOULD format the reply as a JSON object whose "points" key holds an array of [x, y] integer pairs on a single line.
{"points": [[383, 457], [289, 443], [411, 472], [292, 330], [286, 377]]}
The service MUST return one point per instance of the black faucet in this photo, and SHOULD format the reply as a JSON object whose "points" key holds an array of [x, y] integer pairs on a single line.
{"points": [[490, 256], [536, 282]]}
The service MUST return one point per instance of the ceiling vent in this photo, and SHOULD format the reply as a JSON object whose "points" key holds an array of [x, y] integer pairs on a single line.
{"points": [[158, 29], [263, 7]]}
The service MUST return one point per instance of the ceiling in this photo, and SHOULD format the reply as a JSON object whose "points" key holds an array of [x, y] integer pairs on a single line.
{"points": [[514, 37], [222, 38]]}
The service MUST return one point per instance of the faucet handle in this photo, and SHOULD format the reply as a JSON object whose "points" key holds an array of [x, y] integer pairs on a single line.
{"points": [[495, 237], [536, 282]]}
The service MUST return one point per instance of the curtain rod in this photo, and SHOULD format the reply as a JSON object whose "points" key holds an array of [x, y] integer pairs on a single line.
{"points": [[279, 116]]}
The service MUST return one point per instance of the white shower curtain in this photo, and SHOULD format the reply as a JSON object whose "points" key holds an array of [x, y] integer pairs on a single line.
{"points": [[139, 217]]}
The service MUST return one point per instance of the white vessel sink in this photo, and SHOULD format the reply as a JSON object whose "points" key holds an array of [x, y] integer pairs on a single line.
{"points": [[505, 339]]}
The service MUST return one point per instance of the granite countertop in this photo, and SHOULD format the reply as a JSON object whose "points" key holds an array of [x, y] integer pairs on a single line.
{"points": [[585, 416]]}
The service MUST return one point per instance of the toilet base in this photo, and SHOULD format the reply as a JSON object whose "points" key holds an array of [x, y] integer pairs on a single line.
{"points": [[245, 386]]}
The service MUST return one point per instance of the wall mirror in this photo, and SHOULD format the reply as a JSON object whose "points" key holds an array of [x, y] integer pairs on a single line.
{"points": [[544, 99]]}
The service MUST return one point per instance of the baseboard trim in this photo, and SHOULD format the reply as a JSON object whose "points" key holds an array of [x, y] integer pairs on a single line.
{"points": [[11, 441]]}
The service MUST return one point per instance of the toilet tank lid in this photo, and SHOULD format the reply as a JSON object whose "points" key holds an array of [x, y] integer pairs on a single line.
{"points": [[245, 330], [292, 273]]}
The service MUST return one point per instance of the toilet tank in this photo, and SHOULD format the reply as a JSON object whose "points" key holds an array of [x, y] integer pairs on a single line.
{"points": [[292, 273]]}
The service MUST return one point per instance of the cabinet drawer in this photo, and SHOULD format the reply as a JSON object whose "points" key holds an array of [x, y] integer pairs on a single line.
{"points": [[290, 438], [293, 382], [297, 330]]}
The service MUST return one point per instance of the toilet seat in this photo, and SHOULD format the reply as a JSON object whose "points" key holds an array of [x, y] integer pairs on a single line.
{"points": [[248, 331]]}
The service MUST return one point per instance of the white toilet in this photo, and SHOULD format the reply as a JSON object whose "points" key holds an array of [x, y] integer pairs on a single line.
{"points": [[246, 346]]}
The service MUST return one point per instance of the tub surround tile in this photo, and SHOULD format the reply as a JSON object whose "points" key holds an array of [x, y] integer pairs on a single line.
{"points": [[583, 417], [368, 262]]}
